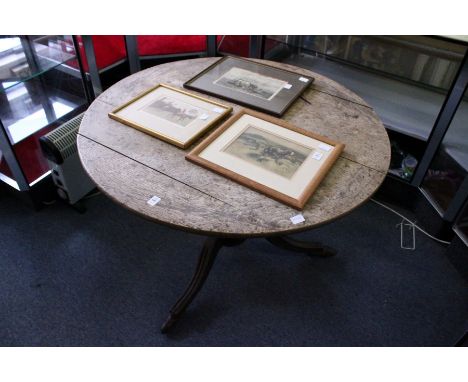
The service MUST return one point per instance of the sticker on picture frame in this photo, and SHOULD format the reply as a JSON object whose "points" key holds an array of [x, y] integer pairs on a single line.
{"points": [[170, 114], [268, 155], [255, 85]]}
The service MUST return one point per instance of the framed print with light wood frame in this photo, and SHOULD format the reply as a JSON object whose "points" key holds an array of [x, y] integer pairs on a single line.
{"points": [[268, 155], [171, 114], [255, 85]]}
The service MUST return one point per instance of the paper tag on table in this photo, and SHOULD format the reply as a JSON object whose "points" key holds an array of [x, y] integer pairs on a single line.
{"points": [[287, 86], [218, 110], [317, 155], [153, 201], [324, 147], [303, 79], [204, 116], [297, 219]]}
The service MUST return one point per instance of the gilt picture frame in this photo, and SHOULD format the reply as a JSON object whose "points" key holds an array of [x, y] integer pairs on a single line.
{"points": [[171, 114], [252, 84], [268, 155]]}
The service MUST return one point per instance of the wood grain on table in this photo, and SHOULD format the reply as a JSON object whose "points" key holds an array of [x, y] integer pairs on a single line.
{"points": [[130, 166]]}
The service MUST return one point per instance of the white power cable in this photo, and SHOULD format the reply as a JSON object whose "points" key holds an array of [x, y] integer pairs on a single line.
{"points": [[416, 226]]}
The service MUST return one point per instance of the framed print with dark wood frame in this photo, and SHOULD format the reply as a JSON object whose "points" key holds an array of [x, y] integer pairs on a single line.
{"points": [[258, 86], [268, 155], [171, 114]]}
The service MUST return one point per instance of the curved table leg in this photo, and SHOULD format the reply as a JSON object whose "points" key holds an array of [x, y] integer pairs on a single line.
{"points": [[206, 259], [309, 248]]}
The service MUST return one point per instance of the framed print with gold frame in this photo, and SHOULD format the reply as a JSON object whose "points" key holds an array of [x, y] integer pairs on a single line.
{"points": [[255, 85], [268, 155], [171, 114]]}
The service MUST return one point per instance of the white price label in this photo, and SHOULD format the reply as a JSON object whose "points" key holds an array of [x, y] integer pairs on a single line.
{"points": [[297, 219], [324, 147], [317, 155], [218, 110], [303, 79], [153, 201], [287, 86]]}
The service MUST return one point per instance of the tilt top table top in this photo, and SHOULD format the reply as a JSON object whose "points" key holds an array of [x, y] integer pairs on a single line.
{"points": [[130, 166]]}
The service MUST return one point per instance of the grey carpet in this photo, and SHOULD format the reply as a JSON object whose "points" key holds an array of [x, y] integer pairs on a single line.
{"points": [[108, 278]]}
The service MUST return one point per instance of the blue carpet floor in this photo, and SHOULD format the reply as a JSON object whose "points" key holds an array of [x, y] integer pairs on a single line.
{"points": [[108, 278]]}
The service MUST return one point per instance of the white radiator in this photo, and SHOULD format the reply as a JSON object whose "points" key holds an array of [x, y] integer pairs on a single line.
{"points": [[59, 147]]}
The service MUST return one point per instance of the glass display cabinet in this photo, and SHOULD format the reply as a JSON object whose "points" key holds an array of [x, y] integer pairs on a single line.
{"points": [[406, 79], [41, 86]]}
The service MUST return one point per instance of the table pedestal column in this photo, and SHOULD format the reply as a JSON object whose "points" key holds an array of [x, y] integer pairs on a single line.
{"points": [[207, 257]]}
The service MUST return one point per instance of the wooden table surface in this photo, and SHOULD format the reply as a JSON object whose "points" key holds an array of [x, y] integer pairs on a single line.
{"points": [[131, 167]]}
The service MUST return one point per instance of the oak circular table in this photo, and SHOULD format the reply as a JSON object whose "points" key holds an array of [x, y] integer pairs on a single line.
{"points": [[130, 167]]}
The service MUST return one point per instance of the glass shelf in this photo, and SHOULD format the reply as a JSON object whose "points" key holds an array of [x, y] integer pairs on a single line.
{"points": [[405, 79], [41, 86], [34, 108], [23, 58], [27, 107]]}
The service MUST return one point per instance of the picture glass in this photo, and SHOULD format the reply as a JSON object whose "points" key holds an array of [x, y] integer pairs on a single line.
{"points": [[269, 151], [251, 83], [171, 114], [172, 110], [271, 155], [255, 85]]}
